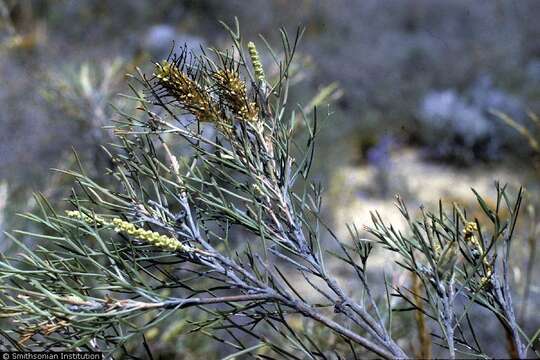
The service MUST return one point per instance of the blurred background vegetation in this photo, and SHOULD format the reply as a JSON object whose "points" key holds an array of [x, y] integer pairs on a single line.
{"points": [[415, 84]]}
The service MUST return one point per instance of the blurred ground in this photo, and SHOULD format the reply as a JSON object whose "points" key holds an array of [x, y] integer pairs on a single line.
{"points": [[360, 190]]}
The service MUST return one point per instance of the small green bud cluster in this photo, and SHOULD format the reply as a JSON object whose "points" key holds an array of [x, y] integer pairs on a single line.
{"points": [[151, 237], [468, 231], [477, 251], [87, 219], [256, 61]]}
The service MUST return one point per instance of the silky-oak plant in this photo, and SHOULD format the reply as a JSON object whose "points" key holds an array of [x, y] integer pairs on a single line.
{"points": [[210, 209]]}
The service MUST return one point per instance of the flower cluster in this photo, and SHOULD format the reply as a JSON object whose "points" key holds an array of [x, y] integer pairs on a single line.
{"points": [[87, 219], [469, 230], [477, 250], [191, 96], [151, 237], [207, 103], [233, 92], [256, 61]]}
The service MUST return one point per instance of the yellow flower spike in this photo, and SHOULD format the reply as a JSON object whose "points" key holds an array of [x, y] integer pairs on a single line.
{"points": [[149, 236], [186, 91], [152, 237], [87, 219], [233, 92], [256, 61], [470, 228]]}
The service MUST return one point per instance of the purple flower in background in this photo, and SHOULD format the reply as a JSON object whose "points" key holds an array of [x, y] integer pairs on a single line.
{"points": [[379, 155]]}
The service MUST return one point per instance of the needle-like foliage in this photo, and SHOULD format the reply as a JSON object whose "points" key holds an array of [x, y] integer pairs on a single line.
{"points": [[211, 207]]}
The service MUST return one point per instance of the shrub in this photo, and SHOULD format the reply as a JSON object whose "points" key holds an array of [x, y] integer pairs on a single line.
{"points": [[461, 128], [233, 229]]}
